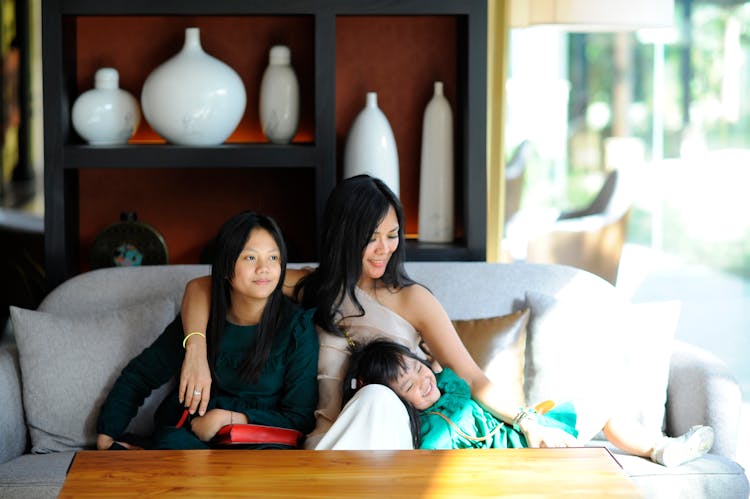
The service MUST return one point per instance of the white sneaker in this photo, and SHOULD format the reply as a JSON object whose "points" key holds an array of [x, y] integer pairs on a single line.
{"points": [[679, 450]]}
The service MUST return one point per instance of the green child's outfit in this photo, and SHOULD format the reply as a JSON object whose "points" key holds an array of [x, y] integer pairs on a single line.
{"points": [[472, 426], [285, 395]]}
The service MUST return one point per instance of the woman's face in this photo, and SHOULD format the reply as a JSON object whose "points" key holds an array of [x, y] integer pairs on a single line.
{"points": [[417, 385], [258, 268], [383, 243]]}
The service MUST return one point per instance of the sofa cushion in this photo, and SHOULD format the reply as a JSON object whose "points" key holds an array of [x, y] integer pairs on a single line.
{"points": [[498, 345], [616, 358], [68, 366]]}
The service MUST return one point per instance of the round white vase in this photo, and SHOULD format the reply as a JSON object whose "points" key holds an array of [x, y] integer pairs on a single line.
{"points": [[106, 114], [279, 97], [371, 146], [193, 98], [436, 171]]}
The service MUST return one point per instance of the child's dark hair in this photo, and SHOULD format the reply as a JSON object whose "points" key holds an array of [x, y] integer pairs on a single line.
{"points": [[380, 362]]}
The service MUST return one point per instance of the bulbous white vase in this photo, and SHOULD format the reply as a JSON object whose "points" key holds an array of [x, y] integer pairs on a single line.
{"points": [[106, 114], [436, 171], [279, 97], [193, 98], [371, 147]]}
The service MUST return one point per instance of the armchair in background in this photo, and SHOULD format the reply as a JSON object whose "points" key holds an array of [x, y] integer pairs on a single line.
{"points": [[515, 170], [591, 238]]}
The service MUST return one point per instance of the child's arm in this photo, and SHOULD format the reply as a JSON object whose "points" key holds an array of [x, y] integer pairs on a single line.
{"points": [[427, 315]]}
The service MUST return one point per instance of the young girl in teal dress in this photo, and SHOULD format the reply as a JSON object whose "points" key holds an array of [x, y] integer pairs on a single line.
{"points": [[262, 351], [444, 415]]}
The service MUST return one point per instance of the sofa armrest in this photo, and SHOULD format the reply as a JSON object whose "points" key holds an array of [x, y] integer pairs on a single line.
{"points": [[13, 434], [702, 390]]}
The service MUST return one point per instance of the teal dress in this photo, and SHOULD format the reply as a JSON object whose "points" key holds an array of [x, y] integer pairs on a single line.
{"points": [[470, 426], [285, 395]]}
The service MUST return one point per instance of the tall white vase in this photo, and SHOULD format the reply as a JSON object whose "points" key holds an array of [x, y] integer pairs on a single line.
{"points": [[371, 146], [106, 114], [193, 98], [436, 171], [279, 97]]}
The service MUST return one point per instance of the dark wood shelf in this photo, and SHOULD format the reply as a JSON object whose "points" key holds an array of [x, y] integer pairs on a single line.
{"points": [[176, 156], [457, 251]]}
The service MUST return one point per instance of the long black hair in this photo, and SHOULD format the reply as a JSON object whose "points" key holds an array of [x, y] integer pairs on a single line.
{"points": [[353, 211], [380, 362], [230, 242]]}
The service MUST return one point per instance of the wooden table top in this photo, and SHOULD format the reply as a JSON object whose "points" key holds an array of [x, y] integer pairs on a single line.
{"points": [[575, 472]]}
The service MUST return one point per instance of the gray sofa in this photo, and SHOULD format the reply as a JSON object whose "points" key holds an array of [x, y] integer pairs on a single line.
{"points": [[582, 342]]}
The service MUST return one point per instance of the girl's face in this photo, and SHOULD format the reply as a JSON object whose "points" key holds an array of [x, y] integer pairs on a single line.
{"points": [[416, 385], [383, 243], [258, 268]]}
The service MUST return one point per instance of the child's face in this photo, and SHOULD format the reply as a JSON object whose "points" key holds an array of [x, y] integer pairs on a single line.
{"points": [[417, 385]]}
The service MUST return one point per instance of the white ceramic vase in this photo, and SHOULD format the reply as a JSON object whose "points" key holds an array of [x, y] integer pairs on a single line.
{"points": [[193, 98], [279, 97], [371, 147], [106, 114], [436, 171]]}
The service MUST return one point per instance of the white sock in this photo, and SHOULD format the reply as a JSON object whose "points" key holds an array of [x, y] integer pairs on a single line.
{"points": [[696, 442]]}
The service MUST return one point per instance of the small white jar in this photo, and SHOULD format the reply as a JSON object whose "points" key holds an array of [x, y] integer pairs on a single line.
{"points": [[106, 114]]}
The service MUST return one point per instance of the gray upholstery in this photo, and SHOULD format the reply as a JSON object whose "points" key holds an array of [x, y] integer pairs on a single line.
{"points": [[701, 390], [12, 427], [35, 476]]}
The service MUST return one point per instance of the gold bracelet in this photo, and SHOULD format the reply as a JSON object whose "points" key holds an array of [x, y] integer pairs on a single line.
{"points": [[184, 341]]}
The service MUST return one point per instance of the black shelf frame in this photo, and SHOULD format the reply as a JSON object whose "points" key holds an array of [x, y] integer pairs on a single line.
{"points": [[65, 155]]}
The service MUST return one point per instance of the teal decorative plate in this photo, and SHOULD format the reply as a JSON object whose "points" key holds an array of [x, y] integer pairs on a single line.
{"points": [[128, 243]]}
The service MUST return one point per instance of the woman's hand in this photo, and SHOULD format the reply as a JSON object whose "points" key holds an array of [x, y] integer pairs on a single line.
{"points": [[195, 376], [206, 427], [538, 435]]}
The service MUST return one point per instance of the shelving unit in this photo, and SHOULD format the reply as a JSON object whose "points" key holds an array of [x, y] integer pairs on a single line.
{"points": [[340, 50]]}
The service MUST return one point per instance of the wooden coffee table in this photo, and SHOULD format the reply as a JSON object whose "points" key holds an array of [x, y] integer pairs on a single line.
{"points": [[576, 472]]}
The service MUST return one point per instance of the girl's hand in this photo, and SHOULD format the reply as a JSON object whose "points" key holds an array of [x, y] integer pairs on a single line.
{"points": [[104, 442], [544, 436], [195, 376], [206, 427]]}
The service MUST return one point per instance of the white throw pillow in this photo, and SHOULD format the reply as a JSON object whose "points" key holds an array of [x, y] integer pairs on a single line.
{"points": [[68, 365], [568, 350], [607, 357]]}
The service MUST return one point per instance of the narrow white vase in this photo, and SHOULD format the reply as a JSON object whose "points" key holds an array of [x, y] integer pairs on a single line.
{"points": [[279, 97], [436, 171], [371, 147], [106, 114], [193, 98]]}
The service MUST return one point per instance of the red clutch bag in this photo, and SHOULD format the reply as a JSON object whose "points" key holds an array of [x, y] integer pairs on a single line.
{"points": [[237, 434]]}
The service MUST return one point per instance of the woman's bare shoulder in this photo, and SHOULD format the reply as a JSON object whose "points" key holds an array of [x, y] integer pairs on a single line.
{"points": [[416, 292], [414, 301]]}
